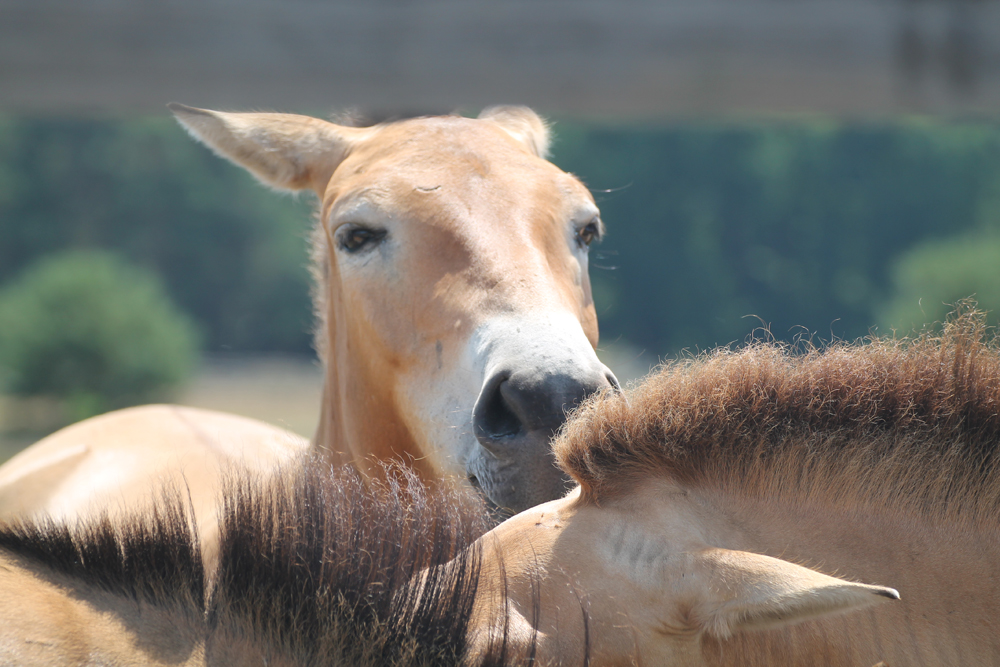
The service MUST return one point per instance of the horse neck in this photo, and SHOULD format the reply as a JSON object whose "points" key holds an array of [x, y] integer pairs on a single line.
{"points": [[947, 571], [330, 439], [360, 423]]}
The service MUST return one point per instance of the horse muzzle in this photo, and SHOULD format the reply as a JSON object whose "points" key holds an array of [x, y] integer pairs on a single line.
{"points": [[514, 419]]}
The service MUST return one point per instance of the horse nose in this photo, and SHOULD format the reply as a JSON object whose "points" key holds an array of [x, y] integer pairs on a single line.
{"points": [[515, 405]]}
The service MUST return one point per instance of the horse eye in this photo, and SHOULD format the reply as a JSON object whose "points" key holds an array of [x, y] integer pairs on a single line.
{"points": [[588, 233], [353, 239]]}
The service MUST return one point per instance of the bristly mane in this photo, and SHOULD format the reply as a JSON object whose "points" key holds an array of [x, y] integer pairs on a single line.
{"points": [[315, 567], [913, 421], [156, 560], [320, 569]]}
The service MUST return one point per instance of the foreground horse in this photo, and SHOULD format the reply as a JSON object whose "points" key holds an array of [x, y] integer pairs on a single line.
{"points": [[875, 463], [716, 501], [317, 568], [455, 319]]}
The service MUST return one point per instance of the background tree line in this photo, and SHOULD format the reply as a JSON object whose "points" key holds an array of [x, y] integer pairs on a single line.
{"points": [[810, 227]]}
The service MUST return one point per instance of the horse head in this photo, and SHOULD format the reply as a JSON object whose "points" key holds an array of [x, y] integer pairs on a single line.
{"points": [[455, 316]]}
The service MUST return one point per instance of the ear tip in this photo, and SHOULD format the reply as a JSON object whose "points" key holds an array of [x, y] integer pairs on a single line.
{"points": [[890, 593], [179, 109], [522, 123]]}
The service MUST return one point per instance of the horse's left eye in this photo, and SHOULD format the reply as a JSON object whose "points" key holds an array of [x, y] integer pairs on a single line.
{"points": [[588, 233], [353, 239]]}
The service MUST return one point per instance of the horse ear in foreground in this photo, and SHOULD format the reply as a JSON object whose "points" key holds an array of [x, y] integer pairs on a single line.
{"points": [[454, 317]]}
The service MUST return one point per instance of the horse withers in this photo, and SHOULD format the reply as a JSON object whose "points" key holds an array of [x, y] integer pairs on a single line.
{"points": [[455, 320]]}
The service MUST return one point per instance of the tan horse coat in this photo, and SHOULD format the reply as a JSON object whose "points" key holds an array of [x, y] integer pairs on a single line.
{"points": [[118, 461], [45, 621]]}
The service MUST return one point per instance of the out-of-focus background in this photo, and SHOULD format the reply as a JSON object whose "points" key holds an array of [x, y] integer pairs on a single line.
{"points": [[818, 168]]}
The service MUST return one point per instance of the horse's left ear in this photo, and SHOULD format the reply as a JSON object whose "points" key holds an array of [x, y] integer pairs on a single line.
{"points": [[523, 124], [747, 591], [285, 151]]}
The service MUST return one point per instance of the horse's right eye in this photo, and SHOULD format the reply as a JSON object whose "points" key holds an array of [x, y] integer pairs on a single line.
{"points": [[353, 239]]}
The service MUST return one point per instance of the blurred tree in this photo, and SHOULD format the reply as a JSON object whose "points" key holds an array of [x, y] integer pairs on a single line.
{"points": [[232, 254], [930, 279], [93, 331]]}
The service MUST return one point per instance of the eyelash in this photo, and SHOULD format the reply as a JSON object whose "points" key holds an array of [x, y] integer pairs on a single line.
{"points": [[354, 238], [588, 234]]}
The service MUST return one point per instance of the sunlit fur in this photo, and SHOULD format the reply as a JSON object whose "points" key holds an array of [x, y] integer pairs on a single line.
{"points": [[903, 423], [315, 568], [153, 558]]}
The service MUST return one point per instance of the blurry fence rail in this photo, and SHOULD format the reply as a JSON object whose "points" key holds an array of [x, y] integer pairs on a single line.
{"points": [[621, 58]]}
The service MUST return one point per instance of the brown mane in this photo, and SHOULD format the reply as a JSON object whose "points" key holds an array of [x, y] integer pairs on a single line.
{"points": [[320, 568], [911, 421]]}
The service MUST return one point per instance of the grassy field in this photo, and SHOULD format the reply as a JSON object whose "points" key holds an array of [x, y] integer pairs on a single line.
{"points": [[280, 390]]}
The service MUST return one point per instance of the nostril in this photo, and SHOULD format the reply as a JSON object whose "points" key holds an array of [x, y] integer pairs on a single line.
{"points": [[613, 381], [493, 417]]}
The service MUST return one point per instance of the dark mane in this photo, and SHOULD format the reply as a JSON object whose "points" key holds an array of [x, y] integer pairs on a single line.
{"points": [[315, 567], [914, 421], [156, 560], [319, 568]]}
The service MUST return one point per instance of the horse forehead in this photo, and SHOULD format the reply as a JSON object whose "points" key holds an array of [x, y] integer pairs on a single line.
{"points": [[463, 162]]}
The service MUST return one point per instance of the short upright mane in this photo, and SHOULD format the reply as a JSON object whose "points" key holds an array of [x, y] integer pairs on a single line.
{"points": [[321, 569], [155, 560], [915, 420]]}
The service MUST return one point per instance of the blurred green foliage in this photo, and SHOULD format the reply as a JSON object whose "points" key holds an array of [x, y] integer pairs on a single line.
{"points": [[232, 254], [717, 228], [810, 227], [94, 331], [930, 279]]}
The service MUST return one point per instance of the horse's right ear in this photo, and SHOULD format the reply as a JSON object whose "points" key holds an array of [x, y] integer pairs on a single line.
{"points": [[747, 591], [523, 124], [285, 151]]}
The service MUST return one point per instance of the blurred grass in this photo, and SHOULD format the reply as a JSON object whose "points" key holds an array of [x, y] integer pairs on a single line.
{"points": [[278, 389], [281, 390]]}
